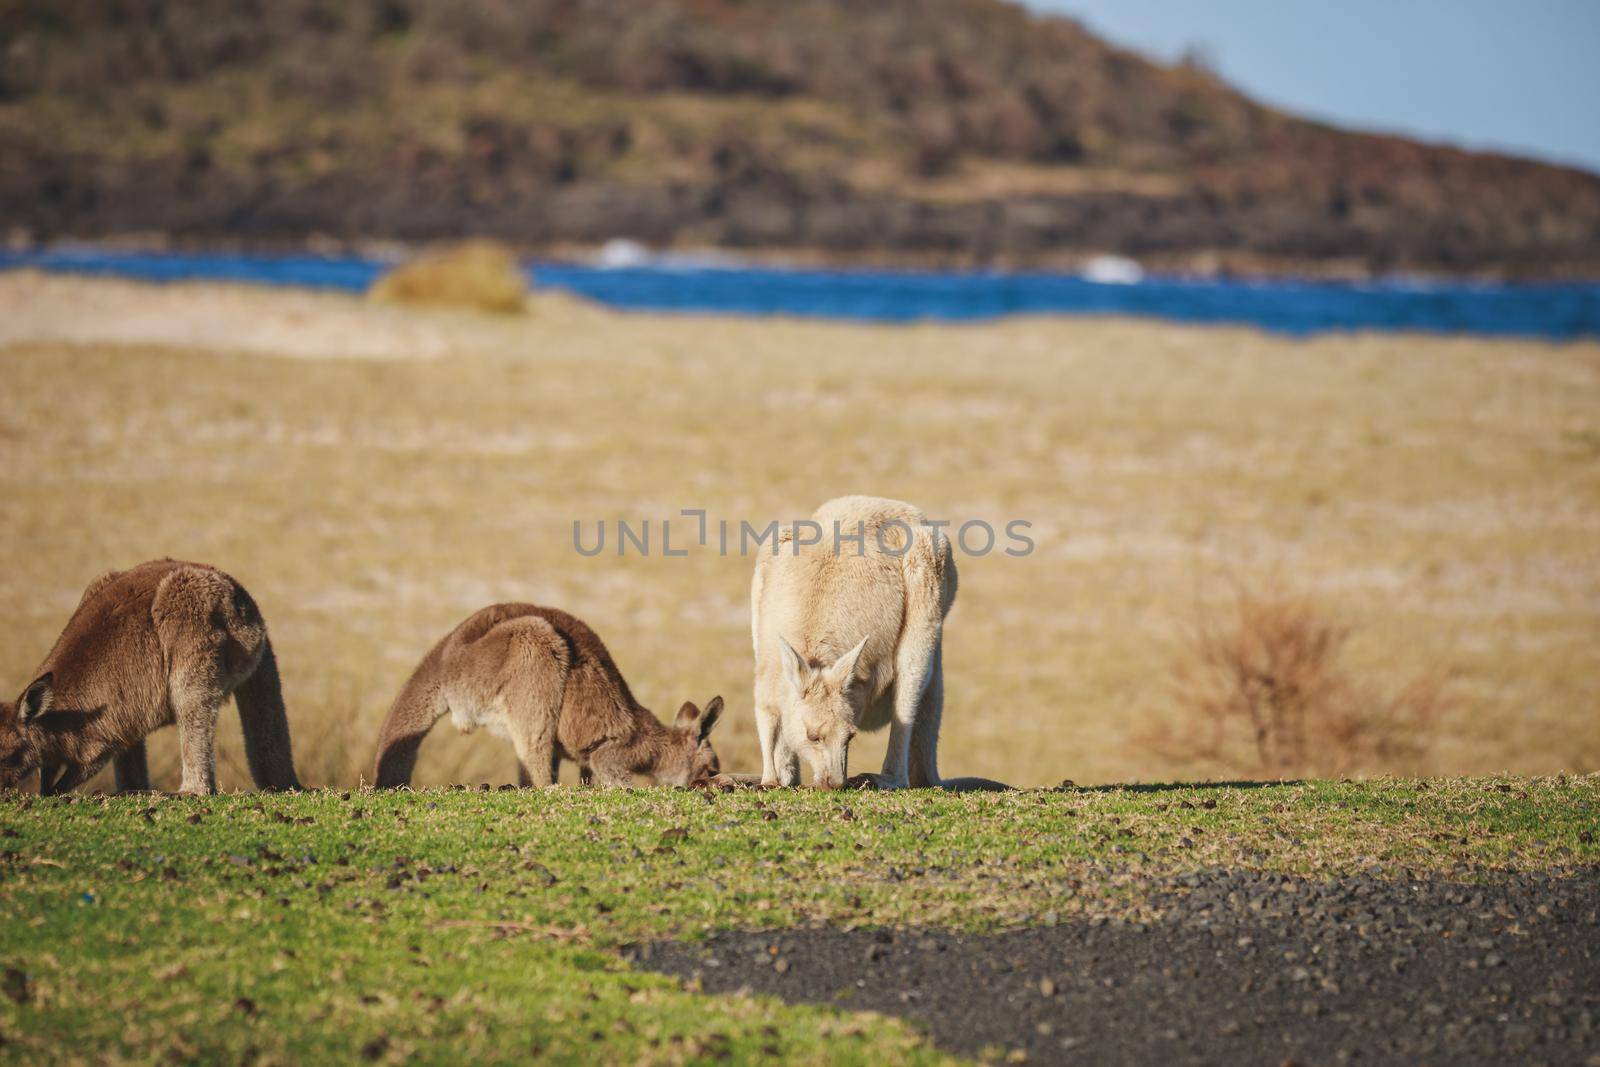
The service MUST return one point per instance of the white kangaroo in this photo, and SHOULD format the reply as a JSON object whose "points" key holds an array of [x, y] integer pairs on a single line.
{"points": [[848, 637]]}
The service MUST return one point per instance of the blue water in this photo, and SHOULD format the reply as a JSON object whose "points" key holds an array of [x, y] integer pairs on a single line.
{"points": [[1558, 311]]}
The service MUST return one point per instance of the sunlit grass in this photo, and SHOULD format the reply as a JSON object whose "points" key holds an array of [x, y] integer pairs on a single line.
{"points": [[1428, 492], [441, 925]]}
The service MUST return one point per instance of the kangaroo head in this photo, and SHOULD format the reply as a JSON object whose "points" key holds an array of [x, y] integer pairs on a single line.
{"points": [[19, 732], [822, 711], [688, 758]]}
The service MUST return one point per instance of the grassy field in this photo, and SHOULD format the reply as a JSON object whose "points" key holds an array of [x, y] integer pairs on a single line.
{"points": [[444, 925], [373, 474]]}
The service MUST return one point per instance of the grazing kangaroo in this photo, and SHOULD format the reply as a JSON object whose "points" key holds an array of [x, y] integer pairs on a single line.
{"points": [[159, 643], [848, 637], [544, 681]]}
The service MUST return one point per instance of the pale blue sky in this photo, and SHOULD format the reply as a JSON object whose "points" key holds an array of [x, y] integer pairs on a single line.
{"points": [[1521, 76]]}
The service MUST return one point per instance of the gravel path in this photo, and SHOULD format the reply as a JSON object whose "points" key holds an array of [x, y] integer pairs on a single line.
{"points": [[1243, 967]]}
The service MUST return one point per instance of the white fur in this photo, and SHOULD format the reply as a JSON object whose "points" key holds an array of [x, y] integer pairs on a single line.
{"points": [[866, 628], [468, 717]]}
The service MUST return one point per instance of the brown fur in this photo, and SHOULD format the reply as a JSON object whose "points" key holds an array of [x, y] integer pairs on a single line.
{"points": [[543, 679], [161, 643]]}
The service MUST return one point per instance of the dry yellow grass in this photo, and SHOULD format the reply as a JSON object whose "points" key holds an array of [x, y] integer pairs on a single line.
{"points": [[1441, 496], [482, 275]]}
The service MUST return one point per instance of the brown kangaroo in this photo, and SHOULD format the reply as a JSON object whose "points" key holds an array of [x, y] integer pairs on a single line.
{"points": [[543, 680], [159, 643]]}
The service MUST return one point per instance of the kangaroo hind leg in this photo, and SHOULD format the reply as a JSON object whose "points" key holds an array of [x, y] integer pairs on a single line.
{"points": [[916, 665], [196, 698], [195, 693], [925, 731], [533, 735], [533, 685], [192, 610]]}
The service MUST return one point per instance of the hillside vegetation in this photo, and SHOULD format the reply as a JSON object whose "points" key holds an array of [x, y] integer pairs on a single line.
{"points": [[964, 131]]}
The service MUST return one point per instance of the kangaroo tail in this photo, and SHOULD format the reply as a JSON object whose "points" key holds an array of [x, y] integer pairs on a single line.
{"points": [[974, 785], [266, 725], [419, 705]]}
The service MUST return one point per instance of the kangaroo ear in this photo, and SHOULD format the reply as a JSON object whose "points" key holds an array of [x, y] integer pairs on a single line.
{"points": [[843, 671], [36, 699], [709, 719], [688, 715], [795, 669]]}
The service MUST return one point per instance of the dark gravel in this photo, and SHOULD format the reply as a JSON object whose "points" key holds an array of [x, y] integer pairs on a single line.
{"points": [[1244, 967]]}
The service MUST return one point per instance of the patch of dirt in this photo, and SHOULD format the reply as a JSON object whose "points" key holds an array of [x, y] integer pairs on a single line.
{"points": [[1242, 967]]}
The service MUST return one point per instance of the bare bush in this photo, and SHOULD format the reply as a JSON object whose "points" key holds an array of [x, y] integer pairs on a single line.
{"points": [[1260, 690]]}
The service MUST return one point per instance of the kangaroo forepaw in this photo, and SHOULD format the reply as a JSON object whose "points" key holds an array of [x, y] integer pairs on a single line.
{"points": [[727, 783], [867, 780]]}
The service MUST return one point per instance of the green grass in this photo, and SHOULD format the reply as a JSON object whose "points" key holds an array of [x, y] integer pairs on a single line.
{"points": [[447, 925]]}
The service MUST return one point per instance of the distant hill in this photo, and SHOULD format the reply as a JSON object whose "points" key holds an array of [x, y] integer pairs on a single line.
{"points": [[956, 131]]}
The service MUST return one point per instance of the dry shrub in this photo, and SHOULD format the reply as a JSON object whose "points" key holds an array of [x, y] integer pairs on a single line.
{"points": [[475, 274], [1261, 691]]}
